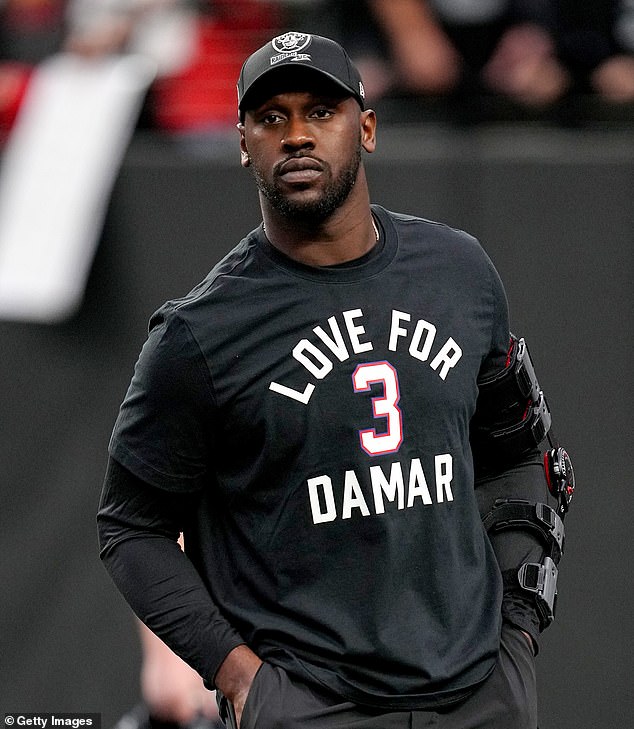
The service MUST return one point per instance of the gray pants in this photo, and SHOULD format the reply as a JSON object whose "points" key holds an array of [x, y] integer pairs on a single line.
{"points": [[506, 700]]}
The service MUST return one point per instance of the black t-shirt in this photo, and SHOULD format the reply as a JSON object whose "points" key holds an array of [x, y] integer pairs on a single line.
{"points": [[322, 414]]}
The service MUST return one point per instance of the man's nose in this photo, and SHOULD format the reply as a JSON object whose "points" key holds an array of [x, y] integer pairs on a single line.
{"points": [[297, 135]]}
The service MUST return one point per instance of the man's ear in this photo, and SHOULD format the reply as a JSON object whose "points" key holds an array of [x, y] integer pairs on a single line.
{"points": [[245, 160], [368, 130]]}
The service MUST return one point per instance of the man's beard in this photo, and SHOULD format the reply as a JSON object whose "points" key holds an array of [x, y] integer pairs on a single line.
{"points": [[317, 210]]}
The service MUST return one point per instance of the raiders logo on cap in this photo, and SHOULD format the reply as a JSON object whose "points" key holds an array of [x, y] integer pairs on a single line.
{"points": [[288, 47], [291, 42]]}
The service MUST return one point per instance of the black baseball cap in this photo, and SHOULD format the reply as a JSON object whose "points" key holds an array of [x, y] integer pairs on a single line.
{"points": [[294, 50]]}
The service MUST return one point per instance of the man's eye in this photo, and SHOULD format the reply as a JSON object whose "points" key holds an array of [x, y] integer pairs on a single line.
{"points": [[270, 118], [322, 113]]}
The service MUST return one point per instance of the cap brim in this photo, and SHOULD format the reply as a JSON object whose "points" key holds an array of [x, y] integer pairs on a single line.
{"points": [[286, 77]]}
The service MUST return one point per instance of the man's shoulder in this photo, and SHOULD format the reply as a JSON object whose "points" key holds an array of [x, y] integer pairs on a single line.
{"points": [[226, 273], [221, 287], [439, 244], [417, 227]]}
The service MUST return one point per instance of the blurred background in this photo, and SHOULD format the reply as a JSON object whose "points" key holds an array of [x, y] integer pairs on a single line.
{"points": [[120, 187]]}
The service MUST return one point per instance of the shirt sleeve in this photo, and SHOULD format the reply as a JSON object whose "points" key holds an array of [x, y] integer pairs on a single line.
{"points": [[496, 357], [163, 432], [138, 527]]}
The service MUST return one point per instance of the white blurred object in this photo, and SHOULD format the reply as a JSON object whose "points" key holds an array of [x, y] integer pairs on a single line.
{"points": [[163, 30], [58, 168], [168, 37]]}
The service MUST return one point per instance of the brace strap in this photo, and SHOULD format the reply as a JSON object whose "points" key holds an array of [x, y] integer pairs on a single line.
{"points": [[512, 413], [521, 514]]}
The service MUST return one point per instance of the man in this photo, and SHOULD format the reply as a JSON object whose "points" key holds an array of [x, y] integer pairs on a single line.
{"points": [[304, 417]]}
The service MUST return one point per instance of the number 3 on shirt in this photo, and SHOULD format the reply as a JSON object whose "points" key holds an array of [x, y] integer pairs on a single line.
{"points": [[385, 406]]}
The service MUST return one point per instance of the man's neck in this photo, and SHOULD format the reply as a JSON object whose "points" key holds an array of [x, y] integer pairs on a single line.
{"points": [[345, 236]]}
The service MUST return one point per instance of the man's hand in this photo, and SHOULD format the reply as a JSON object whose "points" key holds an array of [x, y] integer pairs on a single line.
{"points": [[529, 640], [235, 676]]}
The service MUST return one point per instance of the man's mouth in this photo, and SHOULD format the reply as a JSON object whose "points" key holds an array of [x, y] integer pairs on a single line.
{"points": [[300, 170]]}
